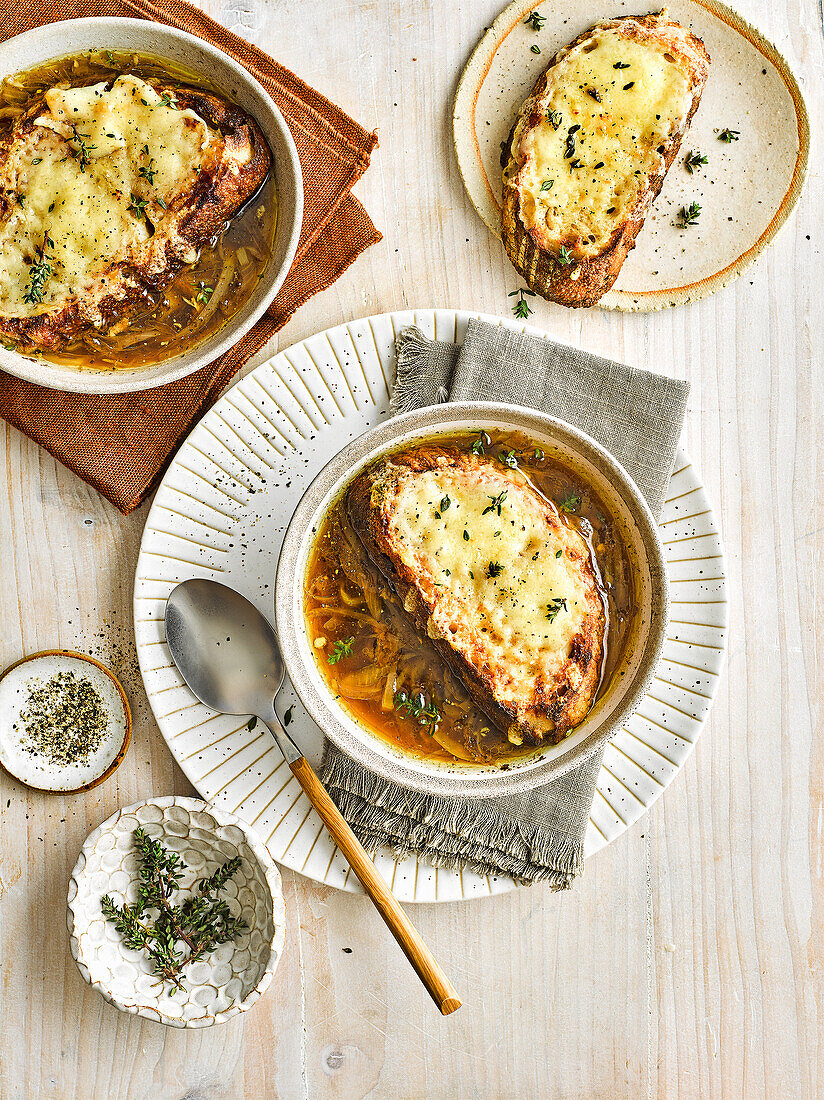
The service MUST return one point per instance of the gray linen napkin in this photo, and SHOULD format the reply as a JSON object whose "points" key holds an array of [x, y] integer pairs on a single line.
{"points": [[637, 416]]}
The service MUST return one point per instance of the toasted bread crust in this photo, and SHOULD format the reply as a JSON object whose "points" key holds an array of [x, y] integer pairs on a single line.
{"points": [[587, 280], [562, 703], [195, 216]]}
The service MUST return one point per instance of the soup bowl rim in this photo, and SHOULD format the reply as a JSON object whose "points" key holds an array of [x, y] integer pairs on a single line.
{"points": [[48, 43], [354, 738]]}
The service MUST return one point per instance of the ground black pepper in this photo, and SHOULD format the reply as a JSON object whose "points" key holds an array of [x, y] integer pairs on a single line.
{"points": [[64, 720]]}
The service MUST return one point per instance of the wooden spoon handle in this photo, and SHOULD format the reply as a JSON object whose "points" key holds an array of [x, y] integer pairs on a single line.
{"points": [[439, 986]]}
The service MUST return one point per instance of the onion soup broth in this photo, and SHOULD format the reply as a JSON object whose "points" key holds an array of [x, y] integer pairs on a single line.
{"points": [[389, 677]]}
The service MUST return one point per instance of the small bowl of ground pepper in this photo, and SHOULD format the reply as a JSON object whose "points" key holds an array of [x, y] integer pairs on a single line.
{"points": [[65, 722]]}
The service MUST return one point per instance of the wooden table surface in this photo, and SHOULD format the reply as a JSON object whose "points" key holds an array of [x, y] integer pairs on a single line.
{"points": [[687, 961]]}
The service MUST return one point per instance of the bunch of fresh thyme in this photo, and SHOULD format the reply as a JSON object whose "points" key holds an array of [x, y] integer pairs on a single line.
{"points": [[201, 923]]}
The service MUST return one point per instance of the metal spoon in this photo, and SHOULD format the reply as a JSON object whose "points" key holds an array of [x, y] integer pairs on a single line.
{"points": [[229, 656]]}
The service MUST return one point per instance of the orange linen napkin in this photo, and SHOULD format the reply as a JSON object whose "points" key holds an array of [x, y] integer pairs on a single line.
{"points": [[122, 444]]}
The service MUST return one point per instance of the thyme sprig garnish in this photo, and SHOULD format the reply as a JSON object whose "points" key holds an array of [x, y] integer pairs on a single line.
{"points": [[81, 154], [415, 706], [689, 215], [554, 606], [40, 271], [340, 649], [497, 503], [509, 458], [569, 148], [204, 292], [729, 135], [167, 101], [494, 569], [444, 505], [147, 171], [535, 20], [571, 504], [200, 924], [138, 206], [694, 159], [564, 256], [621, 65], [480, 444], [555, 119], [521, 308]]}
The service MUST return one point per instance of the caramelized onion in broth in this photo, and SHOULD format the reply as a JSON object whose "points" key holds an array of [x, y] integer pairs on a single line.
{"points": [[353, 616]]}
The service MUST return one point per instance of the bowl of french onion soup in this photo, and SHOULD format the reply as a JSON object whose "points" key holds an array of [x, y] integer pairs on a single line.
{"points": [[471, 598], [150, 204]]}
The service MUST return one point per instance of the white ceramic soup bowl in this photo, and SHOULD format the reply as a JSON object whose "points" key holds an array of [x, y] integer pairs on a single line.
{"points": [[56, 40], [627, 686]]}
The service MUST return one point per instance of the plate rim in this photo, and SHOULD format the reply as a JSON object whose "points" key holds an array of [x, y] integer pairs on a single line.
{"points": [[642, 301], [407, 316]]}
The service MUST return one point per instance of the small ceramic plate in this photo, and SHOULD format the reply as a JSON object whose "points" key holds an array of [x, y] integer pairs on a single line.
{"points": [[746, 190], [222, 511], [227, 980], [21, 755]]}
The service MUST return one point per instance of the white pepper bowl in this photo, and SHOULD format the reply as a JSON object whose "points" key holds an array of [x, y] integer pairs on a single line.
{"points": [[232, 977]]}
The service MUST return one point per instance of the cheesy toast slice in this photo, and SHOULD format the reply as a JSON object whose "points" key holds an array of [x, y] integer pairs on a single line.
{"points": [[492, 573], [590, 150]]}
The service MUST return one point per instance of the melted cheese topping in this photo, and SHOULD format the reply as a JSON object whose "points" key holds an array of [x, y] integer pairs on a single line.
{"points": [[98, 165], [611, 104], [519, 619]]}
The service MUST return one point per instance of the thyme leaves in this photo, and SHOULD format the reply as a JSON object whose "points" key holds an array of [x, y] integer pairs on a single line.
{"points": [[201, 923], [689, 215], [554, 606], [340, 649], [521, 308], [40, 271]]}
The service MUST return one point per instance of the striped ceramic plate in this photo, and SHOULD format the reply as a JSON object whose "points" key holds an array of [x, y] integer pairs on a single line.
{"points": [[221, 512]]}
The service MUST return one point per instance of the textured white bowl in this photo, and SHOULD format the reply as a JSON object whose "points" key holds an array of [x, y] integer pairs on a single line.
{"points": [[26, 51], [225, 982]]}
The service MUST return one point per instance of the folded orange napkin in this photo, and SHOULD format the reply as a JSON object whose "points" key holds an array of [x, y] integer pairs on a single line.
{"points": [[122, 444]]}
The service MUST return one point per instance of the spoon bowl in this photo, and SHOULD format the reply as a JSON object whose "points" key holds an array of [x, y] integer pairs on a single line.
{"points": [[225, 649]]}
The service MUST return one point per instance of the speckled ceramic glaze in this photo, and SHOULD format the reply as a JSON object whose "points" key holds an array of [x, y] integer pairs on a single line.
{"points": [[640, 534], [232, 977], [35, 47]]}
